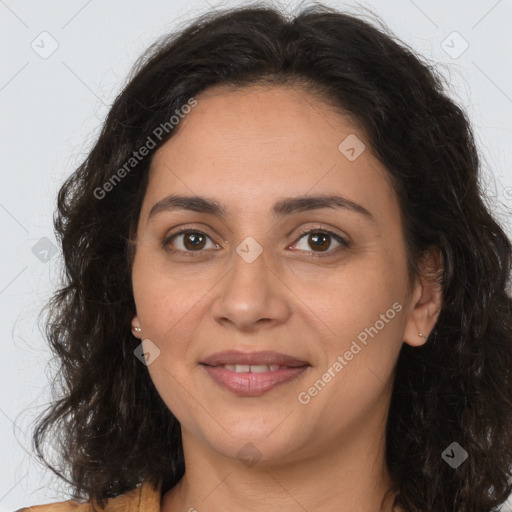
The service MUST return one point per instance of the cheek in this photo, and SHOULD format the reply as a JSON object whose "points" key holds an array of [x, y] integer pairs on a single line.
{"points": [[362, 316], [360, 312], [162, 297], [168, 312], [350, 298]]}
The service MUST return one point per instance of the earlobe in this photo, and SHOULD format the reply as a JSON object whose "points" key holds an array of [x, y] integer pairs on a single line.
{"points": [[426, 302], [136, 328]]}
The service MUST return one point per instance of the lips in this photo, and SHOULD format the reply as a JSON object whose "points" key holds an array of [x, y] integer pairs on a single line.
{"points": [[252, 374], [267, 357]]}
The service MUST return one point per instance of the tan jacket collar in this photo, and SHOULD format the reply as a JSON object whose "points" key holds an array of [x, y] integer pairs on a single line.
{"points": [[144, 498]]}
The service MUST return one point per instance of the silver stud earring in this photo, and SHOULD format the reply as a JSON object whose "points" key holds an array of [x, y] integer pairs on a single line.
{"points": [[421, 335], [138, 329]]}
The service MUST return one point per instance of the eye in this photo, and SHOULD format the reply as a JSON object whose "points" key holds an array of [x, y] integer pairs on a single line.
{"points": [[189, 241], [321, 241]]}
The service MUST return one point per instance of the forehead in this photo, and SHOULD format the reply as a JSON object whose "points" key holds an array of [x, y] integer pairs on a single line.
{"points": [[266, 116], [267, 141]]}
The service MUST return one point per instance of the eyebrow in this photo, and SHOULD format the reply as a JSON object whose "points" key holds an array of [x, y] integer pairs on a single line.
{"points": [[281, 208]]}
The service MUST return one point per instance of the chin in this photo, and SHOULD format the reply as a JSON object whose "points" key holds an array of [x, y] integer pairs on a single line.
{"points": [[249, 440]]}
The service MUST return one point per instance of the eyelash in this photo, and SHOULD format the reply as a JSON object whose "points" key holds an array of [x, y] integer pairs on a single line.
{"points": [[344, 243]]}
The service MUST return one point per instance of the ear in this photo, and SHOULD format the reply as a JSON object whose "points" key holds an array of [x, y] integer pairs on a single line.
{"points": [[427, 299], [136, 328]]}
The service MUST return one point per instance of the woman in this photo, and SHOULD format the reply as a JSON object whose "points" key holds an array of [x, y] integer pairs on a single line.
{"points": [[284, 290]]}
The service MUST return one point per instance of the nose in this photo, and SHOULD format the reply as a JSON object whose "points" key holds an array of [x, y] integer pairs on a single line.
{"points": [[251, 296]]}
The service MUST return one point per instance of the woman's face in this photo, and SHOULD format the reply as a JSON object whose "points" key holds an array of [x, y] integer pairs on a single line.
{"points": [[249, 277]]}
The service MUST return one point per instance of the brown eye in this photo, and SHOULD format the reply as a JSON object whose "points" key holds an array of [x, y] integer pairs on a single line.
{"points": [[320, 241], [189, 241], [194, 241]]}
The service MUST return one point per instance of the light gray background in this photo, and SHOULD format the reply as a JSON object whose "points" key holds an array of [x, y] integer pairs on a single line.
{"points": [[52, 109]]}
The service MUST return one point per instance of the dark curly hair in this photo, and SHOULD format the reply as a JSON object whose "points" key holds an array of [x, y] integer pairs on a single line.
{"points": [[113, 428]]}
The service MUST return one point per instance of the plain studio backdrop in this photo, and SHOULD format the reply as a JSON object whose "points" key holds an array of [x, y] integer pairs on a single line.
{"points": [[61, 68]]}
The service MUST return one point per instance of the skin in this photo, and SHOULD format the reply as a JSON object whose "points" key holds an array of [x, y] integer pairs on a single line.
{"points": [[248, 149]]}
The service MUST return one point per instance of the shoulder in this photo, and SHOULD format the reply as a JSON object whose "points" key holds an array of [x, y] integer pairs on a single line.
{"points": [[60, 506], [145, 498]]}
